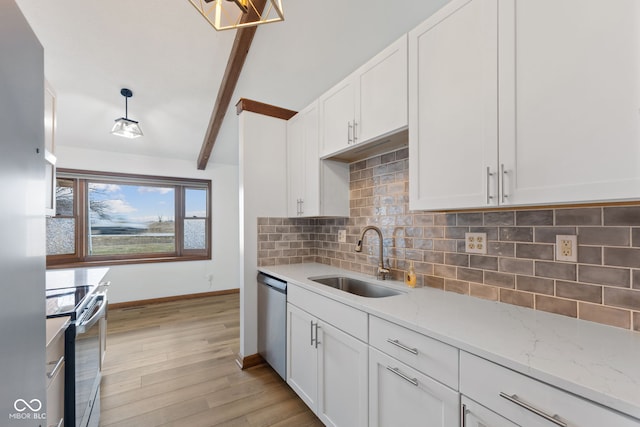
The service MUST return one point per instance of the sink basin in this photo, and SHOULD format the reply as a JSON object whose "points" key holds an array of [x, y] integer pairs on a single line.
{"points": [[356, 286]]}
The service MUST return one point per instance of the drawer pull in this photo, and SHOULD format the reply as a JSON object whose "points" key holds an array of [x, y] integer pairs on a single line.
{"points": [[402, 346], [403, 376], [55, 368], [60, 423], [515, 399]]}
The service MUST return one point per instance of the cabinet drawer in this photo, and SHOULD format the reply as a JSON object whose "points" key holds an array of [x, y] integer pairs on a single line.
{"points": [[348, 319], [429, 356], [508, 393], [401, 396], [55, 357], [55, 398]]}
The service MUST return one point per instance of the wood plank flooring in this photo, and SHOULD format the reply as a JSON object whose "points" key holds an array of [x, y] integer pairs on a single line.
{"points": [[173, 364]]}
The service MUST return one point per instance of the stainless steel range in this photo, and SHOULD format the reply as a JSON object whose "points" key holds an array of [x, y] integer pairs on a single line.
{"points": [[84, 344]]}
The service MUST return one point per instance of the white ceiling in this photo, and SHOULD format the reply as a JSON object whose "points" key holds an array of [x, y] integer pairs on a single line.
{"points": [[173, 61]]}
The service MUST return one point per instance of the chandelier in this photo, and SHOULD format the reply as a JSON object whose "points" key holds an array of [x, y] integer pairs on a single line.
{"points": [[229, 14]]}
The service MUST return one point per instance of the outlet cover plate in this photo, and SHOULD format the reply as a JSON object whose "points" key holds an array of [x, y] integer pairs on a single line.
{"points": [[566, 248], [475, 243], [342, 236]]}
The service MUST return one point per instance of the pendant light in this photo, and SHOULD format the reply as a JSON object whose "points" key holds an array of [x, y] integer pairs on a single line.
{"points": [[124, 125], [229, 14]]}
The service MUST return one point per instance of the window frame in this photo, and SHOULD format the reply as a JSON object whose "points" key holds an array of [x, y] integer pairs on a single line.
{"points": [[81, 257]]}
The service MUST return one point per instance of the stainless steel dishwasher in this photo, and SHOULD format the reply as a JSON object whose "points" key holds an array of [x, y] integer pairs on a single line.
{"points": [[272, 322]]}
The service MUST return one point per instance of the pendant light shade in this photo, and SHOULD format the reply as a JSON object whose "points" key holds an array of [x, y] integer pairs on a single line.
{"points": [[229, 14], [124, 126]]}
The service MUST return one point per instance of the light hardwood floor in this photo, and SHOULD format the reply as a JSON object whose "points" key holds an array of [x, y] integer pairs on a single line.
{"points": [[173, 364]]}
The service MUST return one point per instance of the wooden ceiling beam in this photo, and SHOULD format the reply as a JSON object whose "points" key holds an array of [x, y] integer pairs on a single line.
{"points": [[239, 51]]}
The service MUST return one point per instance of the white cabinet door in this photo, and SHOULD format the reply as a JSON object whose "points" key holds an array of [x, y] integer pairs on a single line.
{"points": [[337, 113], [381, 107], [315, 187], [453, 107], [569, 97], [302, 360], [295, 164], [311, 163], [476, 415], [402, 396], [303, 164], [342, 378], [327, 368]]}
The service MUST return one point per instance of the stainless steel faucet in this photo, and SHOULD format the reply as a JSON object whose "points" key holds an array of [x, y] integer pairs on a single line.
{"points": [[382, 271]]}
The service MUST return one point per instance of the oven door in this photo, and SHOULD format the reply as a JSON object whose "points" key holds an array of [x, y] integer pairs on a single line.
{"points": [[87, 362]]}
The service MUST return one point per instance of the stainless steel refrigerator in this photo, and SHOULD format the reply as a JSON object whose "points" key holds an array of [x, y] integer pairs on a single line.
{"points": [[22, 222]]}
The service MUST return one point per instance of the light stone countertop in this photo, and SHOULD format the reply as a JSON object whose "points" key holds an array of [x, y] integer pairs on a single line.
{"points": [[72, 277], [598, 362]]}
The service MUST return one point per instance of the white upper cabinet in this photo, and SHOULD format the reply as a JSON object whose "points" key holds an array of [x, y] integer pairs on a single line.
{"points": [[369, 104], [569, 100], [453, 107], [338, 116], [526, 104], [315, 187]]}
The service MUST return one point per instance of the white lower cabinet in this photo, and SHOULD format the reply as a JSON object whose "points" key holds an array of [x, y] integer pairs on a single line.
{"points": [[327, 368], [402, 396], [528, 402]]}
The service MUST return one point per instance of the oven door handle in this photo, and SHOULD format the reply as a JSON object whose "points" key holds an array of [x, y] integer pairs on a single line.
{"points": [[87, 324]]}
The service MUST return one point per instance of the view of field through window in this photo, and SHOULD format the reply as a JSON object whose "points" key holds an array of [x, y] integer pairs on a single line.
{"points": [[130, 219], [127, 219]]}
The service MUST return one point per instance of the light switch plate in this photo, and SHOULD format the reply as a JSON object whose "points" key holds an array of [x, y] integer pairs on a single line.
{"points": [[475, 243], [567, 248], [342, 236]]}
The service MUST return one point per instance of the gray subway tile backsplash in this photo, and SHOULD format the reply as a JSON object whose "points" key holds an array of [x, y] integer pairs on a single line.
{"points": [[578, 216], [534, 217], [519, 267], [604, 236], [621, 215]]}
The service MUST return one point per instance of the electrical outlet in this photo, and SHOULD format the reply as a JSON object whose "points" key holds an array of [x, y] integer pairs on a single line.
{"points": [[342, 236], [567, 248], [475, 243]]}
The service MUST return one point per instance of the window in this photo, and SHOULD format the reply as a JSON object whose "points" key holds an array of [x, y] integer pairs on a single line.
{"points": [[104, 218]]}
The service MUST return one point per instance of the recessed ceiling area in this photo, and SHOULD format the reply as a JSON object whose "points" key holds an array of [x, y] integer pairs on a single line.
{"points": [[173, 61]]}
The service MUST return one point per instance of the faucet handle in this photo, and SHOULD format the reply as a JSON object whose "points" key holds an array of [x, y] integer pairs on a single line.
{"points": [[382, 272]]}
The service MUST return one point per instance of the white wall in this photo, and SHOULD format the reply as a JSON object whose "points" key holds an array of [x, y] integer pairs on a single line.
{"points": [[156, 280], [263, 192]]}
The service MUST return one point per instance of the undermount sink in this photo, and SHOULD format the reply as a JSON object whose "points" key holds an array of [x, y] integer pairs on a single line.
{"points": [[356, 286]]}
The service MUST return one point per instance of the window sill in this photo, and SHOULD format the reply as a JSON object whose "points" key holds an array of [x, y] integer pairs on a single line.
{"points": [[111, 262]]}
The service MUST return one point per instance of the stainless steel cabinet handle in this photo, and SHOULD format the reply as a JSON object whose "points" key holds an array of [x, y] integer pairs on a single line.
{"points": [[403, 376], [355, 131], [60, 423], [317, 342], [55, 368], [397, 343], [503, 173], [489, 175], [349, 132], [552, 418], [463, 415], [312, 339]]}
